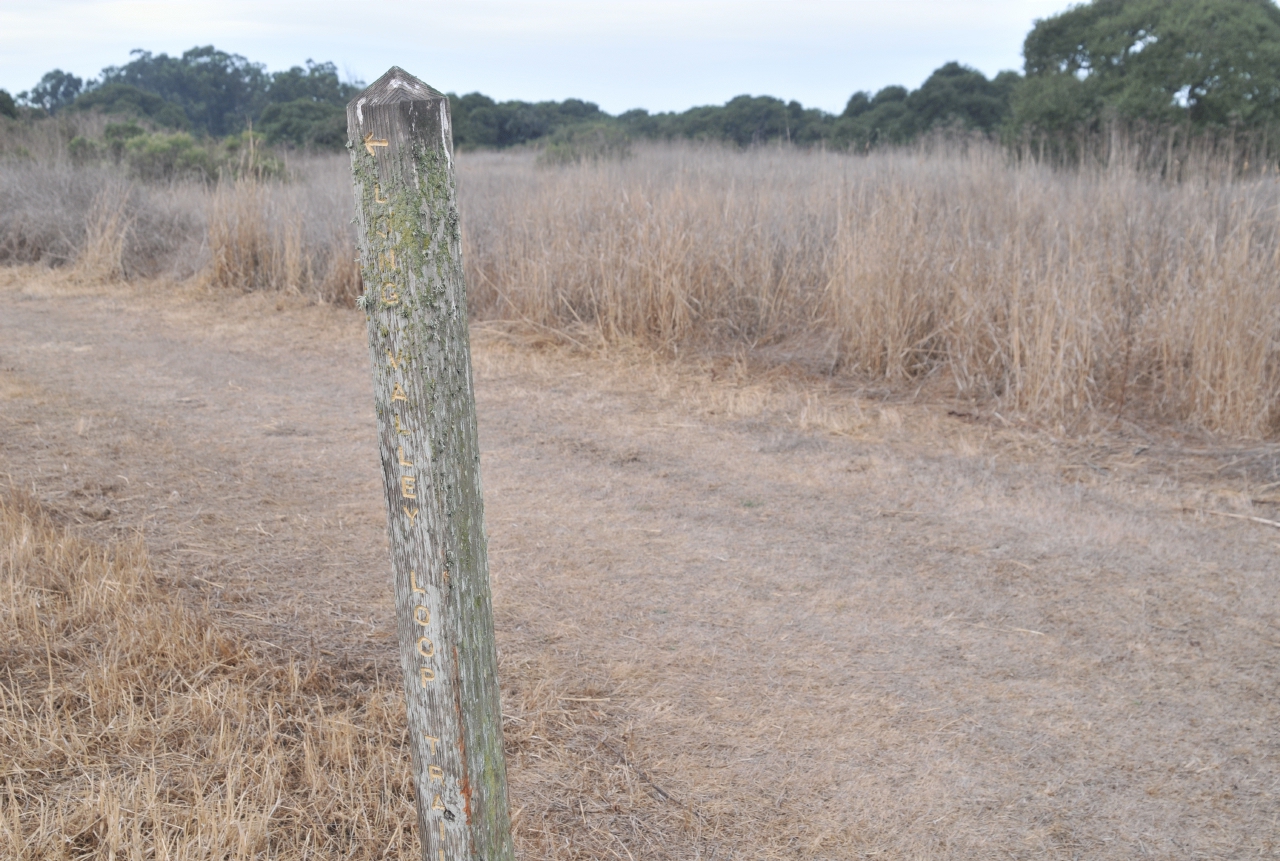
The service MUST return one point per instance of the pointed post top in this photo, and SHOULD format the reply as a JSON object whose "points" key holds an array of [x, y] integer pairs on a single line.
{"points": [[396, 85], [394, 111]]}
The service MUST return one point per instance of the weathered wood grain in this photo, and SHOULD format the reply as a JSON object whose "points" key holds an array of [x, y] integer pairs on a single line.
{"points": [[416, 304]]}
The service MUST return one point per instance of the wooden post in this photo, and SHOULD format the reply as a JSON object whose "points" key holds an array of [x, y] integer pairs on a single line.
{"points": [[416, 305]]}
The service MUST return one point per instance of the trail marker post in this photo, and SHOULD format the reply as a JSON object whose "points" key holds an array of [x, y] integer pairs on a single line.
{"points": [[415, 301]]}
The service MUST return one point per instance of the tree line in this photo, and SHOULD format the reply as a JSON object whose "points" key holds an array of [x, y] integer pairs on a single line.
{"points": [[204, 91], [1206, 65]]}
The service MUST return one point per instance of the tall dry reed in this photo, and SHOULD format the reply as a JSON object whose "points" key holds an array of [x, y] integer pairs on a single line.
{"points": [[1097, 292], [1057, 293], [60, 214], [292, 235]]}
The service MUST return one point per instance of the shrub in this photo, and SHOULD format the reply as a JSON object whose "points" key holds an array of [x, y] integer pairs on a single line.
{"points": [[83, 150], [168, 156], [585, 143], [304, 122]]}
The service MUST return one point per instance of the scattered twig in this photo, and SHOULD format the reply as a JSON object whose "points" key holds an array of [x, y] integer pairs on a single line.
{"points": [[1238, 517], [644, 775], [1006, 630]]}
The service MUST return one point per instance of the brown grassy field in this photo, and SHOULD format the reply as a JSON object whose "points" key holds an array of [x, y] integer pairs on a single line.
{"points": [[1085, 297], [743, 611], [917, 504]]}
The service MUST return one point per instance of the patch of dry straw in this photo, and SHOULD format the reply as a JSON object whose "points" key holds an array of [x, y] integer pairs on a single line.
{"points": [[137, 724], [268, 235]]}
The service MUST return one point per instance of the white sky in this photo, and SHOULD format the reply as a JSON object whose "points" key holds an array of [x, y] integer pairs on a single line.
{"points": [[621, 54]]}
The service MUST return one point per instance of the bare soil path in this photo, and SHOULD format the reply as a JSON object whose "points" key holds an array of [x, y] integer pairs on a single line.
{"points": [[737, 619]]}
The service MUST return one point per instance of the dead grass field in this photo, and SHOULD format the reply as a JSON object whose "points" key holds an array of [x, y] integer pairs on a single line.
{"points": [[1075, 296], [1083, 297], [742, 612]]}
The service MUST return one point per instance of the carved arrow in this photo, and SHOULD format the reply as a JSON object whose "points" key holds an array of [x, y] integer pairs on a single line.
{"points": [[370, 143]]}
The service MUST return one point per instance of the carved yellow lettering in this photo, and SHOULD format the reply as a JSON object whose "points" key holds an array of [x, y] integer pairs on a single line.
{"points": [[422, 615], [406, 487], [427, 675], [413, 582], [387, 260], [441, 836], [394, 361], [435, 772], [431, 740], [403, 462], [399, 429], [389, 295], [426, 648], [397, 393], [413, 515], [436, 804], [376, 190]]}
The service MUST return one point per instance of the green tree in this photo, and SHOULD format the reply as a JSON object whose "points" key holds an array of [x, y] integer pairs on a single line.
{"points": [[885, 118], [958, 95], [1213, 63], [317, 82], [56, 90], [859, 103], [218, 92], [307, 106], [130, 101], [7, 106], [744, 120], [303, 122], [479, 121]]}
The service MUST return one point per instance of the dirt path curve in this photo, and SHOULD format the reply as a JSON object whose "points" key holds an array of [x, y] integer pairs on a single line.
{"points": [[919, 637]]}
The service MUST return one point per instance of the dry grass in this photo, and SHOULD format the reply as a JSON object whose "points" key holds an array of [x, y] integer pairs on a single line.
{"points": [[60, 215], [47, 142], [1061, 294], [139, 724], [1082, 297], [898, 634], [294, 236]]}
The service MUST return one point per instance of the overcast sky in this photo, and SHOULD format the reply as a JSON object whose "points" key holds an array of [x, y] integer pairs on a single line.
{"points": [[621, 54]]}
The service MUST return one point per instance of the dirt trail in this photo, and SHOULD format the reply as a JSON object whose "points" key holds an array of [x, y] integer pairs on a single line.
{"points": [[922, 636]]}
